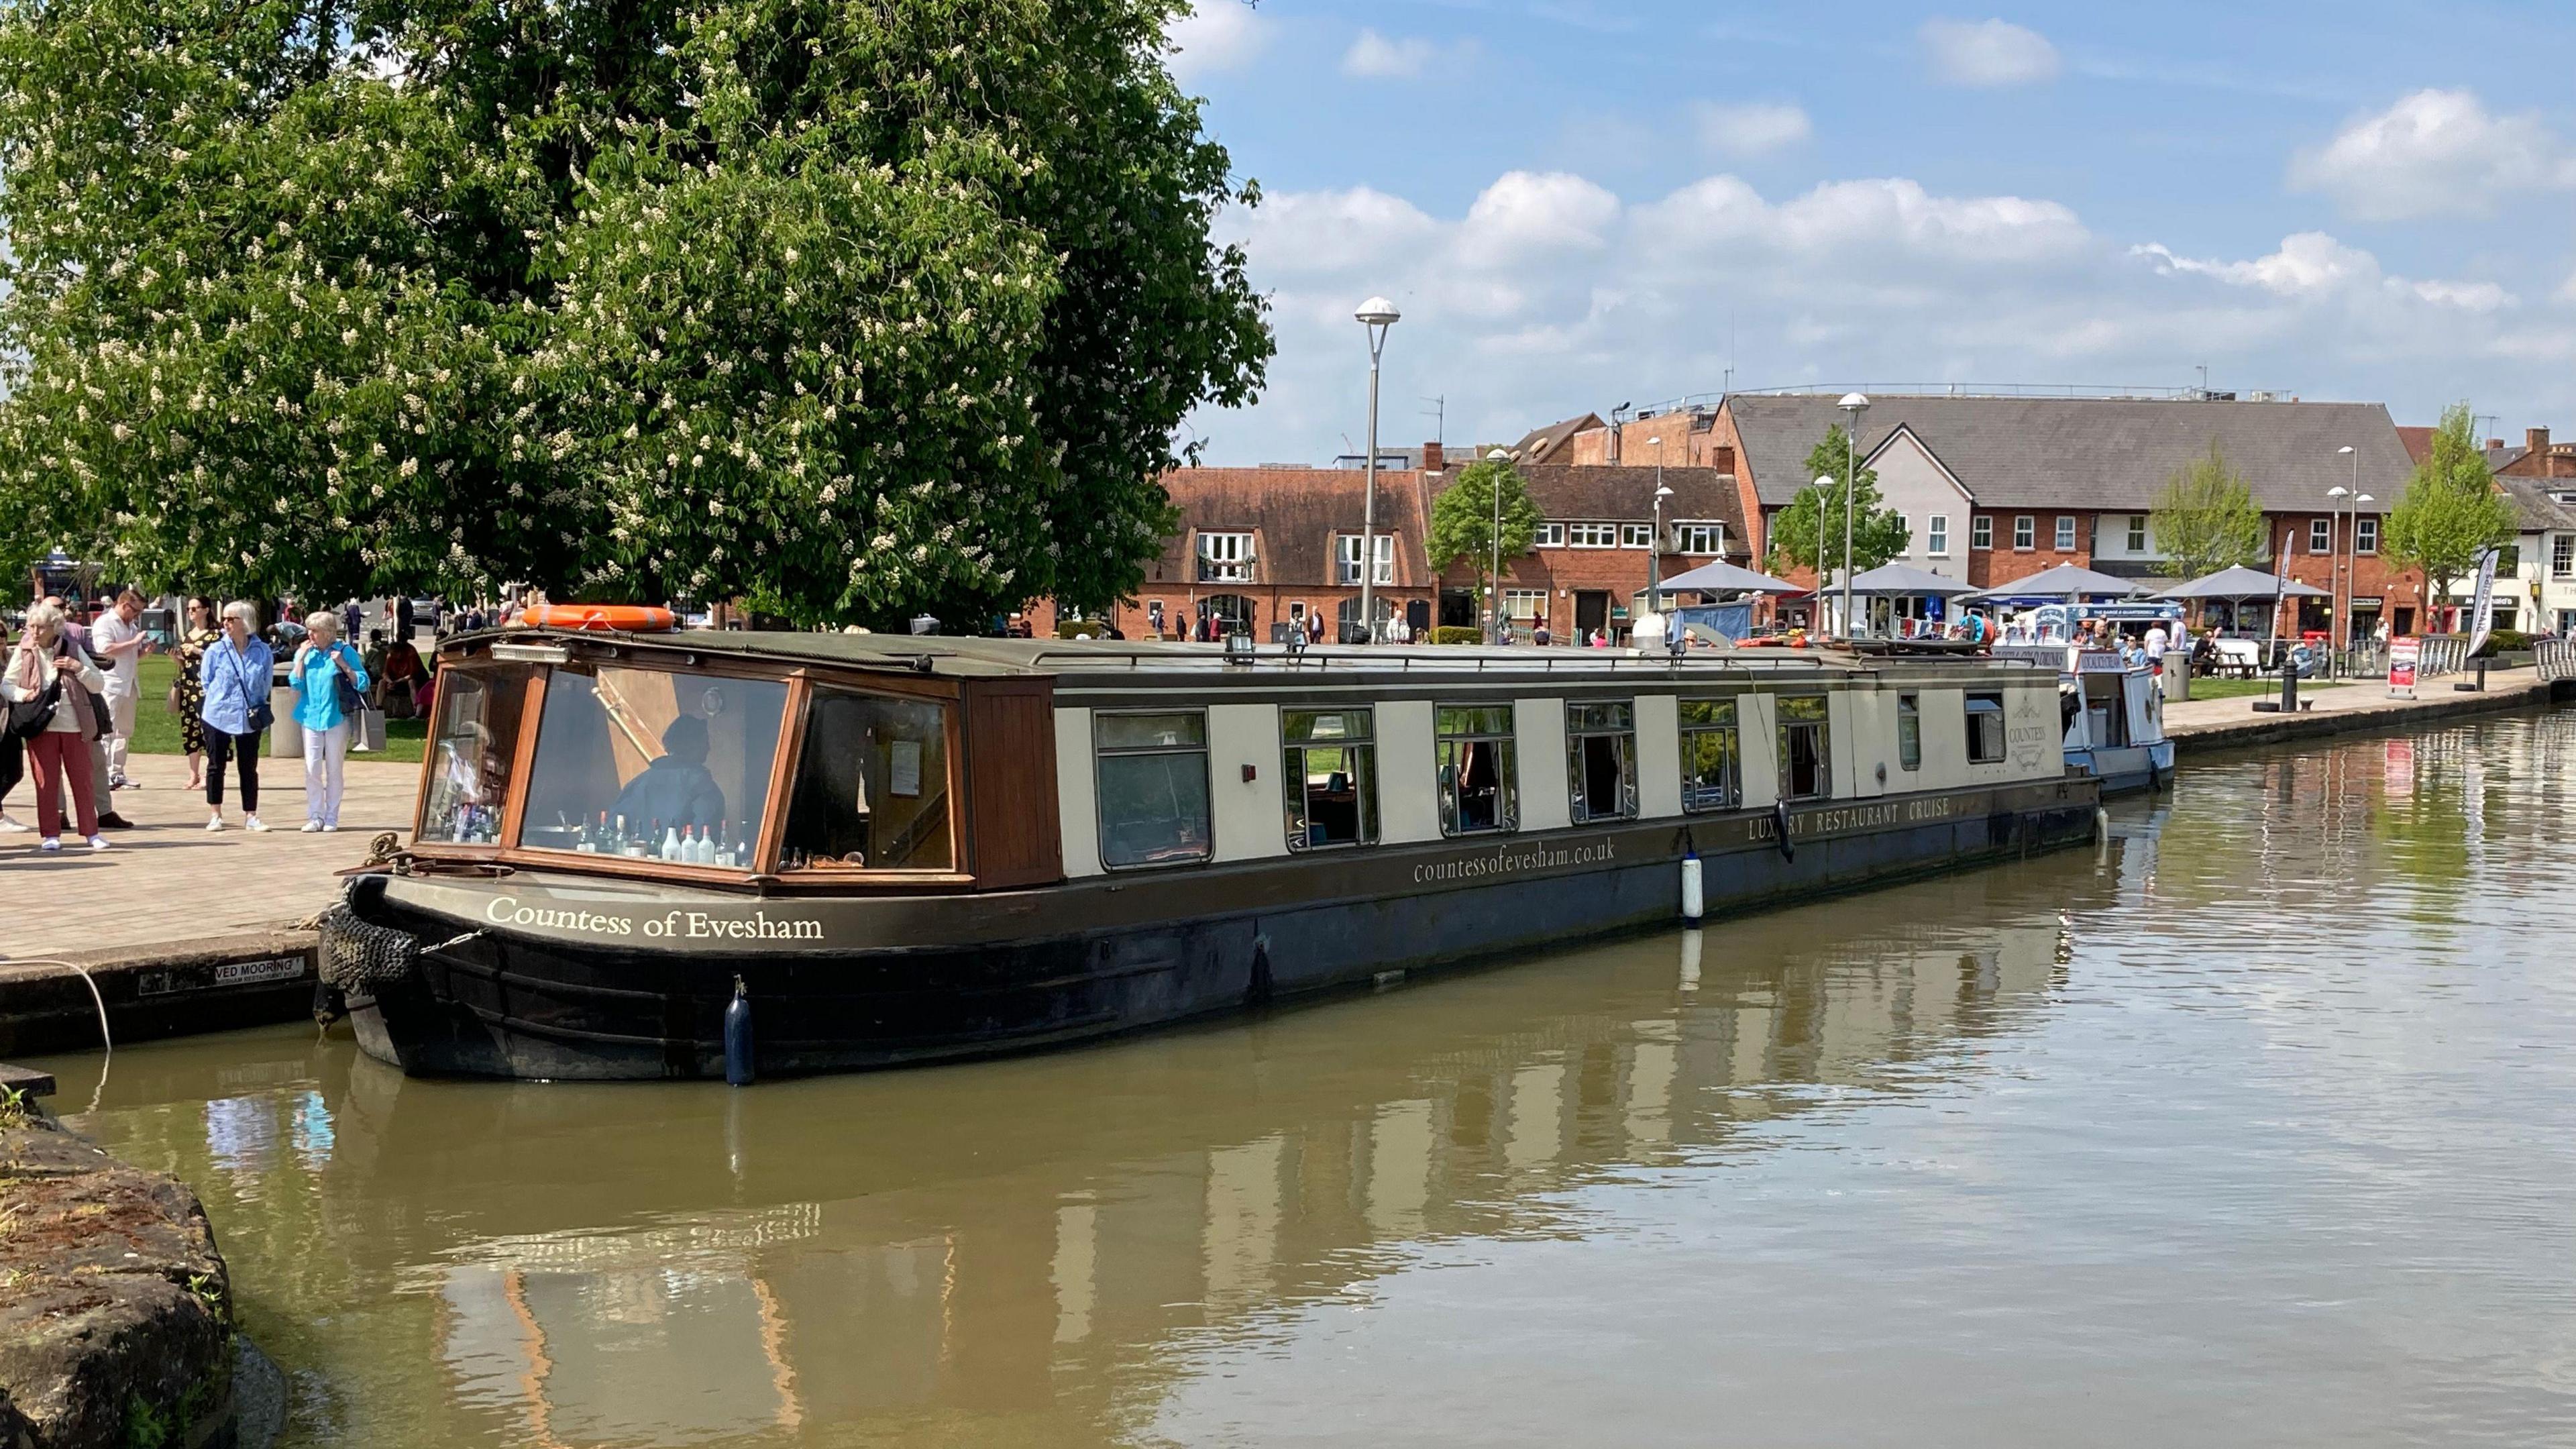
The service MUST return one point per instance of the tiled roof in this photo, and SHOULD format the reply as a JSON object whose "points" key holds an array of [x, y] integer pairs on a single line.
{"points": [[1294, 512], [1584, 493], [1549, 443], [2534, 506], [2090, 453]]}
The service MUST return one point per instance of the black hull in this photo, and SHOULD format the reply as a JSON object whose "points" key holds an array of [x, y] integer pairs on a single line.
{"points": [[523, 1006]]}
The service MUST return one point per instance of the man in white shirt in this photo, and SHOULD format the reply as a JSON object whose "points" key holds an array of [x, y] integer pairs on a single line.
{"points": [[2157, 640], [117, 640]]}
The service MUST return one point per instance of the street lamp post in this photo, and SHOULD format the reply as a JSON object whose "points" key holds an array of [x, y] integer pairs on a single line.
{"points": [[1494, 580], [1377, 314], [1655, 557], [1854, 404]]}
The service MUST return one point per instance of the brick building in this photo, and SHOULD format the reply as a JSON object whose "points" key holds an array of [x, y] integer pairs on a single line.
{"points": [[1259, 548], [2536, 588], [1999, 488]]}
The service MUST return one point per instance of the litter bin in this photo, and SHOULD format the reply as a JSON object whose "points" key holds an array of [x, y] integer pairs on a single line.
{"points": [[286, 737], [2177, 675]]}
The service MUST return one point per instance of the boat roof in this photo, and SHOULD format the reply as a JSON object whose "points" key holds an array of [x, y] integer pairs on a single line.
{"points": [[975, 657]]}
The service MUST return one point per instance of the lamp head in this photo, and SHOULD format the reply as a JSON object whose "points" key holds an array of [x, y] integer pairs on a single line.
{"points": [[1378, 312], [1854, 401], [1498, 456], [2337, 491], [1663, 493], [2364, 498], [2346, 448], [1654, 442]]}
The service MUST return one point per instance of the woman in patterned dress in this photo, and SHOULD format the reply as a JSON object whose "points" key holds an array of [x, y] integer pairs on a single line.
{"points": [[201, 632]]}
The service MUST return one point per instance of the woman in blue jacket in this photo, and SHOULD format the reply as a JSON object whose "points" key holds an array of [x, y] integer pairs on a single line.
{"points": [[323, 662]]}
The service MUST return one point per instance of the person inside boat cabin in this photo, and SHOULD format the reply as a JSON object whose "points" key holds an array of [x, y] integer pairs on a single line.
{"points": [[676, 788]]}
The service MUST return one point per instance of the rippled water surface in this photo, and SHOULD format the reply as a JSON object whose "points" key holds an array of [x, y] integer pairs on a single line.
{"points": [[2256, 1125]]}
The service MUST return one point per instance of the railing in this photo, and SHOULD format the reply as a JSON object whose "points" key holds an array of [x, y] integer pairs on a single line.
{"points": [[2556, 658], [2442, 654]]}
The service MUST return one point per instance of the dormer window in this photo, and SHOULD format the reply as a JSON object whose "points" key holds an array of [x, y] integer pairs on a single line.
{"points": [[1225, 558]]}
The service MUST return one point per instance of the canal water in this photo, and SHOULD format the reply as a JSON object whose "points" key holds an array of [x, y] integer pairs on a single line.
{"points": [[2255, 1125]]}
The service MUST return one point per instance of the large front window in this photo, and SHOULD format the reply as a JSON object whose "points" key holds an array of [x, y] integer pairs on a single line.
{"points": [[471, 753], [871, 787], [653, 764]]}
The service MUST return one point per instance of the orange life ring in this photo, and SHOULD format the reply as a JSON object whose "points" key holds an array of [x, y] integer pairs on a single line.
{"points": [[626, 618]]}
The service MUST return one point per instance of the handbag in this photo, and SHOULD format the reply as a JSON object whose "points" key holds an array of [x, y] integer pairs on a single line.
{"points": [[351, 698], [256, 706], [28, 717]]}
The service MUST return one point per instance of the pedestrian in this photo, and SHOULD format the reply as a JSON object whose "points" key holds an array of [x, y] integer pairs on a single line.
{"points": [[78, 634], [330, 686], [2157, 642], [353, 619], [118, 639], [400, 609], [187, 691], [235, 712], [1539, 635], [48, 678]]}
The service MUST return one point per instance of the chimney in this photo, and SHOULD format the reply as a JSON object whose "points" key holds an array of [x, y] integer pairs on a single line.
{"points": [[1433, 460], [2494, 443], [1613, 443], [2536, 440]]}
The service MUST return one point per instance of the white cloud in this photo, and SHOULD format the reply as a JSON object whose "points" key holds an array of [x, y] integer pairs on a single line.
{"points": [[2434, 152], [1549, 293], [2314, 266], [1987, 53], [1751, 129], [1375, 57], [1217, 35]]}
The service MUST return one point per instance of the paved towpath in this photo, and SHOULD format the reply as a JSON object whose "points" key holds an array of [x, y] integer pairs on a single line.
{"points": [[169, 880], [2200, 725]]}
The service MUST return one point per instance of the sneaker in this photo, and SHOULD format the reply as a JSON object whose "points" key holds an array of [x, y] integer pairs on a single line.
{"points": [[214, 822], [98, 842], [251, 822], [10, 825], [331, 829], [310, 826], [50, 843]]}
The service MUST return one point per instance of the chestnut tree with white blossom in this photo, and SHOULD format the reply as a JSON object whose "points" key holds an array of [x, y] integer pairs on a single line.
{"points": [[847, 310]]}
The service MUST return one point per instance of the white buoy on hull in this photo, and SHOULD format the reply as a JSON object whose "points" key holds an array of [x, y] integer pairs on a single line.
{"points": [[1692, 897]]}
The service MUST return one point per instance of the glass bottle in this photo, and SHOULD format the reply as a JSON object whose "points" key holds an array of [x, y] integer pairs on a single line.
{"points": [[671, 843]]}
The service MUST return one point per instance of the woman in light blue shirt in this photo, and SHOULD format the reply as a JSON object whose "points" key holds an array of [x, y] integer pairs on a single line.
{"points": [[322, 662], [234, 709]]}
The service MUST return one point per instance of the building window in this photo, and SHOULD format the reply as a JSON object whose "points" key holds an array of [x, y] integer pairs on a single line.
{"points": [[2365, 535], [2320, 535], [2562, 555], [871, 788], [2509, 560], [1346, 558], [2066, 533], [1936, 535], [1478, 789], [1525, 605], [1592, 535], [1601, 760], [1636, 535], [1225, 558], [1805, 768], [2025, 532], [2138, 533], [1701, 538], [1909, 732], [1985, 729], [1152, 774], [1711, 776], [1331, 764], [1550, 535], [1981, 531]]}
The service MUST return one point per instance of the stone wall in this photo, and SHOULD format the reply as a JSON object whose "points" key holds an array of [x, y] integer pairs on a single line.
{"points": [[115, 1312]]}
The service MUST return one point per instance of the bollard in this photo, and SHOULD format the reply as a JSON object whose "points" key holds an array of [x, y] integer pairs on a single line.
{"points": [[1692, 893], [737, 1037], [2289, 687]]}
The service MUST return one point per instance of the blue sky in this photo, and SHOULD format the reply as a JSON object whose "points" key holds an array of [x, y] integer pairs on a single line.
{"points": [[1579, 203]]}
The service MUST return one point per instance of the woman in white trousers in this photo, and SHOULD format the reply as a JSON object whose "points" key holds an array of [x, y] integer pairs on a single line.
{"points": [[322, 663]]}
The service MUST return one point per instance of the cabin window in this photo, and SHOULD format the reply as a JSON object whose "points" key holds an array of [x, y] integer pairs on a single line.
{"points": [[1985, 729], [1601, 760], [1479, 790], [1153, 783], [1331, 759], [653, 763], [1909, 732], [1712, 778], [1804, 770], [871, 789], [472, 752]]}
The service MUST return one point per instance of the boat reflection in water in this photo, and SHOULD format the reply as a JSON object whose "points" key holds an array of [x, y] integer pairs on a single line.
{"points": [[1033, 1247]]}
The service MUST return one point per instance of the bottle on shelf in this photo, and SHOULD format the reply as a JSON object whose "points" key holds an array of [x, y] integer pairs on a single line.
{"points": [[671, 842]]}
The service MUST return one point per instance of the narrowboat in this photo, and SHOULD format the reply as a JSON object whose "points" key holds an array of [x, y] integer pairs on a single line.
{"points": [[885, 850], [2114, 714]]}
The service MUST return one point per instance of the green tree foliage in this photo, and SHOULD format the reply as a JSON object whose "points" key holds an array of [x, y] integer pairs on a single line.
{"points": [[1809, 532], [2205, 518], [2451, 509], [1462, 518], [851, 310]]}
